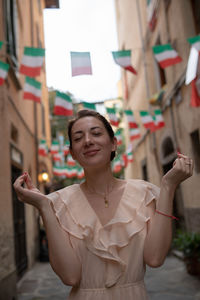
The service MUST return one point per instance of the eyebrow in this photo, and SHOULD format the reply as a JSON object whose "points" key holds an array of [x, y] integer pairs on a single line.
{"points": [[92, 128]]}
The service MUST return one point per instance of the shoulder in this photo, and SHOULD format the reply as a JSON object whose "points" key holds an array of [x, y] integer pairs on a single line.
{"points": [[143, 188], [64, 193]]}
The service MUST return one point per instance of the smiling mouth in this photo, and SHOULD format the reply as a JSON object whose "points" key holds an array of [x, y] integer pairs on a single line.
{"points": [[91, 152]]}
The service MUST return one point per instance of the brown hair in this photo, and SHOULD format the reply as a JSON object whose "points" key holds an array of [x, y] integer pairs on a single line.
{"points": [[90, 113]]}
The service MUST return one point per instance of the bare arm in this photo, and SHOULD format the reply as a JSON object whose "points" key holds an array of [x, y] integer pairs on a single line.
{"points": [[159, 235], [62, 256]]}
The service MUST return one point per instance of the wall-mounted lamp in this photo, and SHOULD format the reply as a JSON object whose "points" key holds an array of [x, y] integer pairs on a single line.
{"points": [[43, 177]]}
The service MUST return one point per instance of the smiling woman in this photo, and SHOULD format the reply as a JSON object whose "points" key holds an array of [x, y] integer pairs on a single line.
{"points": [[102, 232]]}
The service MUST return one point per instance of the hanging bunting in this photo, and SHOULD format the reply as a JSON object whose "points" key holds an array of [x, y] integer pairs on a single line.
{"points": [[118, 136], [130, 118], [58, 156], [55, 146], [80, 173], [71, 171], [70, 160], [166, 55], [123, 59], [42, 148], [195, 95], [59, 171], [129, 153], [116, 165], [195, 42], [134, 133], [3, 71], [147, 120], [152, 13], [124, 160], [112, 116], [89, 106], [63, 105], [32, 90], [66, 148], [32, 61], [159, 121], [81, 63]]}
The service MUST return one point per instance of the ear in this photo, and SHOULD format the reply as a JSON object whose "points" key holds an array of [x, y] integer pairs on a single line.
{"points": [[114, 146]]}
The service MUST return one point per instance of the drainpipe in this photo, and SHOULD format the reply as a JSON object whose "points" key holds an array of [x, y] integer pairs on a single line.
{"points": [[34, 104]]}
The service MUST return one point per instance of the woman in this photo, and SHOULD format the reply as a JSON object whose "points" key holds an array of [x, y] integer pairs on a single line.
{"points": [[103, 232]]}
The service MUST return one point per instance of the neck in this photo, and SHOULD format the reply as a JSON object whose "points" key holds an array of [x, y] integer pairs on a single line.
{"points": [[99, 180]]}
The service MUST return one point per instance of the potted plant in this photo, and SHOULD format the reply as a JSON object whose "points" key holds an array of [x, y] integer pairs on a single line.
{"points": [[189, 245]]}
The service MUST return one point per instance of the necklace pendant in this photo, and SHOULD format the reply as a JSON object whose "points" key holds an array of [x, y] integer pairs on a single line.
{"points": [[106, 203]]}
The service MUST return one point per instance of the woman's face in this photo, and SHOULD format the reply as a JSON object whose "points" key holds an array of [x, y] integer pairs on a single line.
{"points": [[91, 144]]}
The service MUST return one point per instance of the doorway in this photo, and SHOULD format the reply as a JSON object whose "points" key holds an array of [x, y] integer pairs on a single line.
{"points": [[19, 227]]}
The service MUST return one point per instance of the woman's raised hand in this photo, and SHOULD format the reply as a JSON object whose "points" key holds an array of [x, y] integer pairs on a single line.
{"points": [[182, 169], [31, 194]]}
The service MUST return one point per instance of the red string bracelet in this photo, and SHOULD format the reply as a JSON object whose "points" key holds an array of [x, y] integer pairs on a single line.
{"points": [[172, 217]]}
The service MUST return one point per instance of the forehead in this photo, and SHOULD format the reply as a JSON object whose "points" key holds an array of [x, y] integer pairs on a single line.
{"points": [[86, 123]]}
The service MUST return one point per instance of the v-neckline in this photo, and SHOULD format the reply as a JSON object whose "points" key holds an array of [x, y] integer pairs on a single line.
{"points": [[94, 212]]}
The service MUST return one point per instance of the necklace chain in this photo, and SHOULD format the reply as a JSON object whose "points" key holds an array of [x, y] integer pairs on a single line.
{"points": [[105, 195]]}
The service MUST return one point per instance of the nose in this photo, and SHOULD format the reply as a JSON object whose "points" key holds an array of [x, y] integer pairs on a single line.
{"points": [[88, 140]]}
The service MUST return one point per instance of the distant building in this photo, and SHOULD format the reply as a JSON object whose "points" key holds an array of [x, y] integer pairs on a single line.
{"points": [[22, 124], [142, 24]]}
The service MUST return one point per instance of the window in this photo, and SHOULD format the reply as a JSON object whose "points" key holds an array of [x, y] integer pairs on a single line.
{"points": [[196, 149], [11, 16], [196, 13], [144, 170], [160, 73]]}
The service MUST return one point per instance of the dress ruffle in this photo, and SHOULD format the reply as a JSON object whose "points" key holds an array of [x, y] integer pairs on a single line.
{"points": [[77, 217]]}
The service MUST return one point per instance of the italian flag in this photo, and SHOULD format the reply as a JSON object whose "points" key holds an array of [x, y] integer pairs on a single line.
{"points": [[159, 121], [89, 106], [3, 71], [57, 156], [66, 148], [112, 116], [42, 148], [119, 137], [195, 42], [71, 171], [117, 165], [130, 156], [147, 120], [81, 63], [134, 133], [63, 105], [166, 55], [59, 171], [55, 147], [1, 44], [70, 161], [32, 61], [80, 173], [124, 160], [130, 118], [195, 95], [32, 89], [123, 58]]}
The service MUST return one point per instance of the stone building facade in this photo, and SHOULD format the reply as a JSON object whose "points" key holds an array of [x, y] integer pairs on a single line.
{"points": [[22, 124], [142, 24]]}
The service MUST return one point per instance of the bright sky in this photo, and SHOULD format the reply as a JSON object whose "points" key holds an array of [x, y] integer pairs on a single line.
{"points": [[82, 25]]}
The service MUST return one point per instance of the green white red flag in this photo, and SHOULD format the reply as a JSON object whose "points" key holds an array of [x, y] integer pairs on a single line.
{"points": [[66, 148], [42, 148], [159, 121], [81, 63], [116, 165], [130, 119], [147, 120], [195, 42], [70, 160], [3, 71], [89, 106], [59, 171], [71, 171], [166, 56], [129, 153], [111, 111], [80, 173], [32, 61], [58, 156], [124, 160], [63, 105], [55, 146], [118, 136], [32, 89], [134, 133], [123, 59], [195, 95]]}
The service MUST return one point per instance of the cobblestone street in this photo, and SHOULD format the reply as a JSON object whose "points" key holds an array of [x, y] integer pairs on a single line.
{"points": [[169, 282]]}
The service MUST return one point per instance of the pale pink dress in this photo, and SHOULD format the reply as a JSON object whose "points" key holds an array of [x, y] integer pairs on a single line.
{"points": [[111, 255]]}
